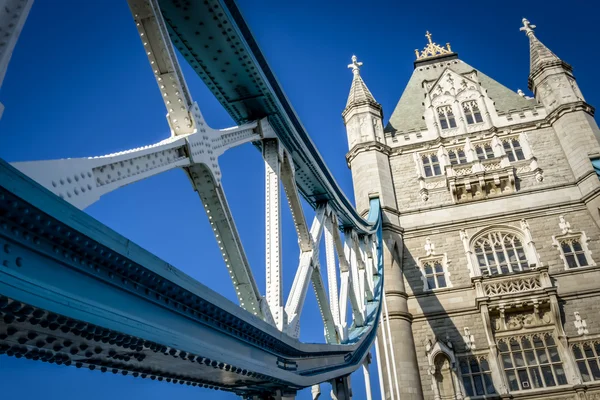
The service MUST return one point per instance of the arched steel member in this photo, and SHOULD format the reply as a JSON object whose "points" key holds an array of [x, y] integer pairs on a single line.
{"points": [[195, 147]]}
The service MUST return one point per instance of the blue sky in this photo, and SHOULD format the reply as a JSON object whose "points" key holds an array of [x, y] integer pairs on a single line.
{"points": [[79, 85]]}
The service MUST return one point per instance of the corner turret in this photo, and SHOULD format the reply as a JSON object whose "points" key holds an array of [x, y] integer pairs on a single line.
{"points": [[363, 115], [550, 78]]}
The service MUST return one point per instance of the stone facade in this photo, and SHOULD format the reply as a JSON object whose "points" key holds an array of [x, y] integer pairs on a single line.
{"points": [[492, 211]]}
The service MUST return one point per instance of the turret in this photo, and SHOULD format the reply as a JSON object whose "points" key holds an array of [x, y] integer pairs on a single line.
{"points": [[363, 115], [553, 83], [369, 160], [550, 78]]}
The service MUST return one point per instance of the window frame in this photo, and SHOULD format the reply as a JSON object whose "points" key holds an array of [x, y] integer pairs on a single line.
{"points": [[442, 260], [510, 149], [431, 165], [501, 259], [524, 362], [471, 111], [583, 240], [487, 151], [459, 160], [471, 375], [446, 116], [584, 360]]}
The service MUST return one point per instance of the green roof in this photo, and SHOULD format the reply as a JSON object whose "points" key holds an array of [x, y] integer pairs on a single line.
{"points": [[408, 114]]}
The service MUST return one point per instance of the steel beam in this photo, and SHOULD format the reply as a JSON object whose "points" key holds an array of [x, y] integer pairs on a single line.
{"points": [[272, 156]]}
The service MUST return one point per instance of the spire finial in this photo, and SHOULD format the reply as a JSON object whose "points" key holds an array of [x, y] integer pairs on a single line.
{"points": [[432, 49], [528, 27], [355, 65]]}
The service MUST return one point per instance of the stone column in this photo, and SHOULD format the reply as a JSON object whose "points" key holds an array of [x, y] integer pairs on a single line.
{"points": [[398, 324]]}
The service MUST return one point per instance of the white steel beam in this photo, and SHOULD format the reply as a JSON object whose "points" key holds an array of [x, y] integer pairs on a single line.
{"points": [[332, 278], [230, 245], [331, 335], [81, 181], [291, 191], [367, 376], [356, 296], [272, 156], [308, 260], [13, 14], [159, 49]]}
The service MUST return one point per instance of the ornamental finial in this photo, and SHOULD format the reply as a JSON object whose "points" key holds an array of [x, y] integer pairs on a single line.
{"points": [[527, 27], [432, 49], [355, 65]]}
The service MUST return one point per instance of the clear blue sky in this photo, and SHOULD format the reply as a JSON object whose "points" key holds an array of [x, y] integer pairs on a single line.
{"points": [[79, 85]]}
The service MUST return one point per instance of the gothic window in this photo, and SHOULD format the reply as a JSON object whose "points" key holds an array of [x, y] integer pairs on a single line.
{"points": [[531, 361], [446, 117], [435, 274], [513, 149], [476, 376], [572, 246], [484, 151], [573, 253], [457, 156], [431, 165], [587, 357], [472, 113], [500, 253]]}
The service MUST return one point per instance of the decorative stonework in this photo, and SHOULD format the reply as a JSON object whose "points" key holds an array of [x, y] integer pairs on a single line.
{"points": [[522, 317], [469, 339], [511, 286], [432, 49], [434, 268], [573, 246], [580, 324]]}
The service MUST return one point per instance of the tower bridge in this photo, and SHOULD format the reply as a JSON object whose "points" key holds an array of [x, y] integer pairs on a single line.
{"points": [[477, 203], [74, 292]]}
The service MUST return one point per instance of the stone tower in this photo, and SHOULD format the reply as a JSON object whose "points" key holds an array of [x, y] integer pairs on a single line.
{"points": [[491, 222]]}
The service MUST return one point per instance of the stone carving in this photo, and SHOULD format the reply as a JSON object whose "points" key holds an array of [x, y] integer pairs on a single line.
{"points": [[436, 184], [521, 320], [517, 285], [469, 339], [580, 324], [429, 247], [564, 226]]}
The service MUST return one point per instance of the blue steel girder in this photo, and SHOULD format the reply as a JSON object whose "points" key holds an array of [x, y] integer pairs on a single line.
{"points": [[74, 292], [214, 38]]}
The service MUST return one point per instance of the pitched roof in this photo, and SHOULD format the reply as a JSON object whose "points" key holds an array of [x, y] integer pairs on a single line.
{"points": [[539, 54], [408, 114], [360, 93]]}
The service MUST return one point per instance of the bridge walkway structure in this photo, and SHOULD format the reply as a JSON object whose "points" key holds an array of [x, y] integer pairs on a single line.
{"points": [[74, 292]]}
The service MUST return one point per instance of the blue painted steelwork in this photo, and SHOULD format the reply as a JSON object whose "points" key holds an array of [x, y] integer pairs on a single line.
{"points": [[596, 164], [72, 291], [217, 43]]}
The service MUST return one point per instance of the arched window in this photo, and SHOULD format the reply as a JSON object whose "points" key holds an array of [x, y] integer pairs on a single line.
{"points": [[484, 151], [472, 113], [500, 253], [431, 165], [446, 117], [513, 149], [457, 156]]}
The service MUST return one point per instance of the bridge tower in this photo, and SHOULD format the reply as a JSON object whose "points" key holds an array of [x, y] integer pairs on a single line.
{"points": [[369, 159], [491, 204]]}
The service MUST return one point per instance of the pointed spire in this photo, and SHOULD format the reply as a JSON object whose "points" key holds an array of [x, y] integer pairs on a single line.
{"points": [[540, 54], [359, 92]]}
